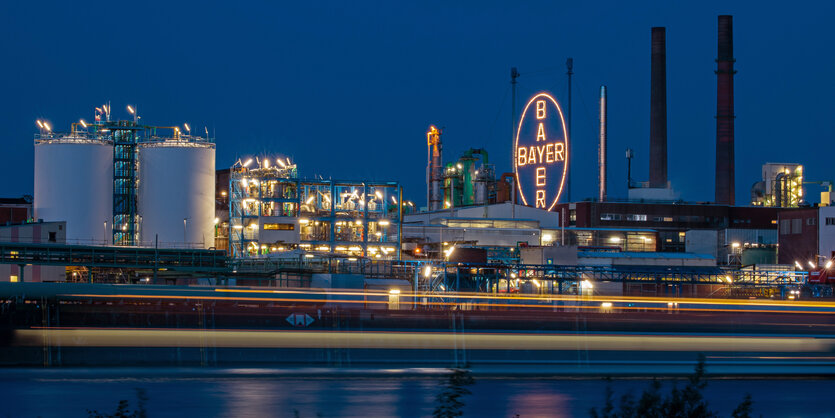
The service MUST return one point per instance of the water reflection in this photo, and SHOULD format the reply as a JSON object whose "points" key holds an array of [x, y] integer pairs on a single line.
{"points": [[223, 393]]}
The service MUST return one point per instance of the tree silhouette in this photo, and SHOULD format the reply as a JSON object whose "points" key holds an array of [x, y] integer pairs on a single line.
{"points": [[123, 408], [687, 402], [449, 400]]}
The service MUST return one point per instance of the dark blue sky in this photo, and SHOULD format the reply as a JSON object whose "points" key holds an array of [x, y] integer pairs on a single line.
{"points": [[347, 89]]}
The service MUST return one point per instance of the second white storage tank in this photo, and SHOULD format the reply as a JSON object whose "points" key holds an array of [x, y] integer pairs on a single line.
{"points": [[176, 201]]}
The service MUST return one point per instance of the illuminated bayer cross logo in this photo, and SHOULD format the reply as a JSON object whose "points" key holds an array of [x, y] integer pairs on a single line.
{"points": [[541, 148]]}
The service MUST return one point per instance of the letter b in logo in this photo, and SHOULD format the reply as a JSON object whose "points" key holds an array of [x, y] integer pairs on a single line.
{"points": [[540, 109]]}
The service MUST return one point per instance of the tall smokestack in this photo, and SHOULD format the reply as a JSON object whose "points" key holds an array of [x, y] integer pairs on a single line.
{"points": [[725, 113], [658, 111], [602, 156]]}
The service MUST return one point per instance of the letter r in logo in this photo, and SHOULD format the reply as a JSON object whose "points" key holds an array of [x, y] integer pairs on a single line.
{"points": [[540, 198]]}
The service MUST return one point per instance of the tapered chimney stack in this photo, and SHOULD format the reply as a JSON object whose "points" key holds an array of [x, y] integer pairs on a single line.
{"points": [[725, 113], [658, 111]]}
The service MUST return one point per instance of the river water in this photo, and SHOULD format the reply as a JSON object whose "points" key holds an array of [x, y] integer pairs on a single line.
{"points": [[378, 393]]}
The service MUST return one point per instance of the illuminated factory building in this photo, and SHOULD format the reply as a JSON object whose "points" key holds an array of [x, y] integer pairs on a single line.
{"points": [[273, 211], [781, 186]]}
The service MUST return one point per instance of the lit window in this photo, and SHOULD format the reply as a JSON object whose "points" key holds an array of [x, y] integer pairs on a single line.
{"points": [[279, 227]]}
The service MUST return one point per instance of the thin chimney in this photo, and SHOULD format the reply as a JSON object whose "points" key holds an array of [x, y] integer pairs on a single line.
{"points": [[602, 146]]}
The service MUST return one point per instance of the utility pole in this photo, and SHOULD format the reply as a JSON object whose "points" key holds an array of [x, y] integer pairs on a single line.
{"points": [[570, 66], [514, 74]]}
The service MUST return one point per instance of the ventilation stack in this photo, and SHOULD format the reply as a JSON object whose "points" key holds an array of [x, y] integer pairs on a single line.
{"points": [[658, 111], [725, 113], [602, 146]]}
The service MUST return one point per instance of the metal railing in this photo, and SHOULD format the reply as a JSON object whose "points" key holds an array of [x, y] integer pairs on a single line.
{"points": [[209, 261]]}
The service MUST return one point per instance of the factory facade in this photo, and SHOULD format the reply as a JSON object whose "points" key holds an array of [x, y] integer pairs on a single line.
{"points": [[807, 236]]}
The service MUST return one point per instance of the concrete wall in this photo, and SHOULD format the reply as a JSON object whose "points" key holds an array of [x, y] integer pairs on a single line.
{"points": [[481, 236], [700, 241], [641, 259], [531, 255], [559, 256], [498, 211], [653, 194]]}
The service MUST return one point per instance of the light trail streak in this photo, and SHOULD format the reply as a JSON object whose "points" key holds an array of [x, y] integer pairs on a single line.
{"points": [[415, 340], [615, 299], [581, 304], [195, 293]]}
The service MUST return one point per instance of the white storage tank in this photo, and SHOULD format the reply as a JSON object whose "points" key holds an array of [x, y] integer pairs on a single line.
{"points": [[176, 201], [74, 183]]}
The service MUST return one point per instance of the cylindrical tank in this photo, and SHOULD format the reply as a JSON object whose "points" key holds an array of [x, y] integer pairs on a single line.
{"points": [[177, 193], [74, 183]]}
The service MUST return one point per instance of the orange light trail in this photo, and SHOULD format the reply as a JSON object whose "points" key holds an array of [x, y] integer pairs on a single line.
{"points": [[502, 302]]}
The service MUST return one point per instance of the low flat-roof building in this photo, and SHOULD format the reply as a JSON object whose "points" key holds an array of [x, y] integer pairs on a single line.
{"points": [[33, 232], [15, 209]]}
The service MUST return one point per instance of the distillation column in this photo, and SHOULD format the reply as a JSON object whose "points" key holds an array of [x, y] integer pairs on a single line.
{"points": [[433, 169]]}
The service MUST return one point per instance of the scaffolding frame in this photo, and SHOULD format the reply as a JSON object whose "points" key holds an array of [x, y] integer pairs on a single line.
{"points": [[332, 215], [125, 225]]}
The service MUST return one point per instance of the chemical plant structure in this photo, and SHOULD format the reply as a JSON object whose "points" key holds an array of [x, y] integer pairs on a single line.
{"points": [[273, 212]]}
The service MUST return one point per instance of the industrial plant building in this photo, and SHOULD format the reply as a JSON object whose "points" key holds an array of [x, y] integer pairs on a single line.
{"points": [[272, 212]]}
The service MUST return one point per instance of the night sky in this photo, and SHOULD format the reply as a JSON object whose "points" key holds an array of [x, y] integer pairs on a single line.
{"points": [[348, 89]]}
